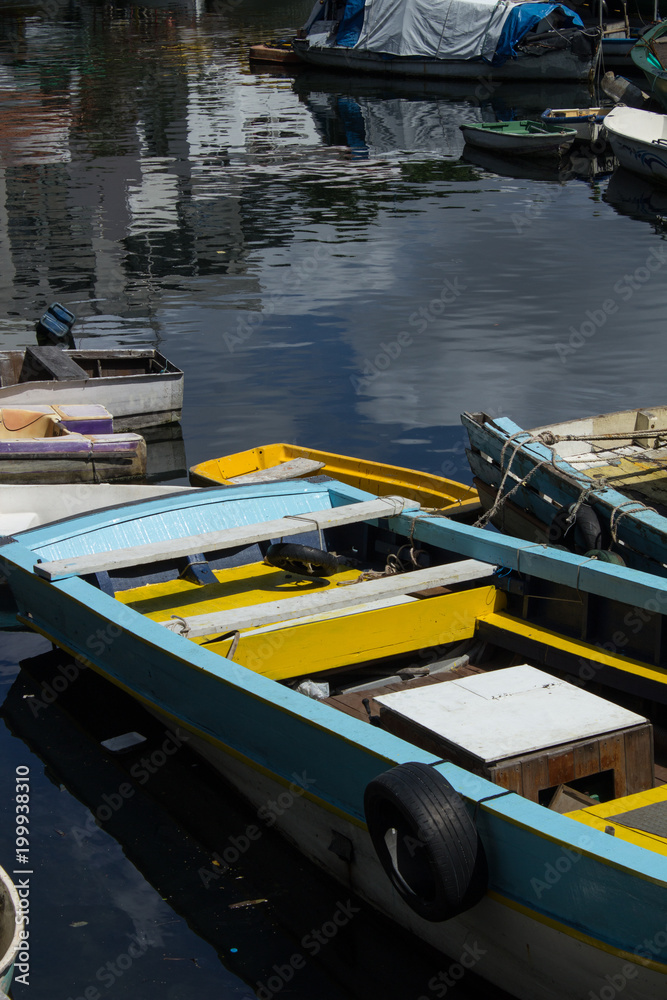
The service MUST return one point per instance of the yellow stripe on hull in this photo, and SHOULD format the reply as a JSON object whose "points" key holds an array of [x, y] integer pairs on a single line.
{"points": [[322, 642]]}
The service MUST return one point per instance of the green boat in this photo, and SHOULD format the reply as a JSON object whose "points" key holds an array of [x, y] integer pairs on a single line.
{"points": [[649, 55], [522, 137]]}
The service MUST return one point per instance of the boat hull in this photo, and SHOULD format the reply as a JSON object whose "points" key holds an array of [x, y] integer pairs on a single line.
{"points": [[560, 65], [636, 138], [135, 399], [11, 927], [305, 766]]}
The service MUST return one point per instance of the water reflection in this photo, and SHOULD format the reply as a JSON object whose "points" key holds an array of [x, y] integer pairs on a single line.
{"points": [[638, 198], [214, 924]]}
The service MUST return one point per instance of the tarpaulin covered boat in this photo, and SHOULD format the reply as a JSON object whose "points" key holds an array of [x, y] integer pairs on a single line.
{"points": [[449, 38]]}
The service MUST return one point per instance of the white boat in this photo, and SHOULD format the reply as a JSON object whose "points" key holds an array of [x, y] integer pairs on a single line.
{"points": [[587, 122], [11, 927], [463, 39], [139, 387], [23, 507], [522, 138], [639, 141]]}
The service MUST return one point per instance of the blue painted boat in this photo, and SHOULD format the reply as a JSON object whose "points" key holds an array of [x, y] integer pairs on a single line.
{"points": [[11, 930], [593, 483], [194, 605]]}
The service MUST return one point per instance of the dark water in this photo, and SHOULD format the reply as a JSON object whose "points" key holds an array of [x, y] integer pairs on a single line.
{"points": [[316, 255]]}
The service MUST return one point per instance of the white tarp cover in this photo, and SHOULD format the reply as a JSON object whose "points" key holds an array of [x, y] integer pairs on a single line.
{"points": [[448, 29]]}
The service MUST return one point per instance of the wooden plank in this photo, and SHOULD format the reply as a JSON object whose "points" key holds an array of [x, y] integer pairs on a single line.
{"points": [[507, 775], [638, 744], [293, 469], [561, 766], [333, 597], [176, 548], [534, 776], [55, 362], [586, 759]]}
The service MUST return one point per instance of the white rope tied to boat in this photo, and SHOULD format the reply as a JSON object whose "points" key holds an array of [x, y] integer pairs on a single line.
{"points": [[178, 625]]}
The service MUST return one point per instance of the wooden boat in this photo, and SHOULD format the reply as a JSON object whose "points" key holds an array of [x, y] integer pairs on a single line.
{"points": [[649, 54], [589, 484], [274, 462], [464, 39], [11, 929], [66, 444], [187, 604], [140, 388], [522, 138], [273, 52], [586, 122], [639, 141]]}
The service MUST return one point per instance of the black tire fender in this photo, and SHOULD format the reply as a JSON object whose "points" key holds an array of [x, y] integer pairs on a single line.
{"points": [[301, 559], [426, 841]]}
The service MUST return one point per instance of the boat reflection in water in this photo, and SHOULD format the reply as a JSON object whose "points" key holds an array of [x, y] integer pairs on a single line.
{"points": [[376, 118], [235, 883], [637, 197]]}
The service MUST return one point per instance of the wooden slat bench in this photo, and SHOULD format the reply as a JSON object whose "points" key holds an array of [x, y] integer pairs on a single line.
{"points": [[293, 469], [175, 548], [330, 599]]}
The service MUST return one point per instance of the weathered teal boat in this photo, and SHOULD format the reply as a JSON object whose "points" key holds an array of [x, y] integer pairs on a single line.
{"points": [[222, 610], [649, 54]]}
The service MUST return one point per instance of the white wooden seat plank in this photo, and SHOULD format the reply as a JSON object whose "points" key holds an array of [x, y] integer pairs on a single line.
{"points": [[290, 608], [176, 548], [277, 473]]}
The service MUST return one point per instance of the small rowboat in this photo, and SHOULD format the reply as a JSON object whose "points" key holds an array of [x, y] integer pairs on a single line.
{"points": [[589, 484], [523, 138], [274, 462], [11, 925], [66, 444], [140, 388], [273, 52], [587, 122], [639, 141]]}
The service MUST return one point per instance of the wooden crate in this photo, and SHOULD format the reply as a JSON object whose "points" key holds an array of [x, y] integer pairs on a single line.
{"points": [[524, 730]]}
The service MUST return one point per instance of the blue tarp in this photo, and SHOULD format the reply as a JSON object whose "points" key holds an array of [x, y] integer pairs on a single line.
{"points": [[351, 22], [522, 19]]}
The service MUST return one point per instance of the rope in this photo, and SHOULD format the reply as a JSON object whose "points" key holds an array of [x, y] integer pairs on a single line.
{"points": [[636, 507], [542, 438], [551, 438]]}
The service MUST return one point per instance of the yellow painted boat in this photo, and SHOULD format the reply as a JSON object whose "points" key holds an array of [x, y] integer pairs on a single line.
{"points": [[276, 462]]}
